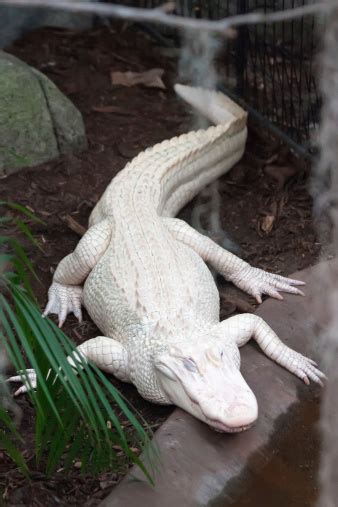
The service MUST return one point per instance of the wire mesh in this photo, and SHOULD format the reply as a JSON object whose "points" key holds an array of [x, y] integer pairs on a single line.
{"points": [[277, 76], [272, 67]]}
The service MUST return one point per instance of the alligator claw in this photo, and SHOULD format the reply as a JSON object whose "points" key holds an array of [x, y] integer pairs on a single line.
{"points": [[26, 384], [257, 282], [304, 368], [63, 299]]}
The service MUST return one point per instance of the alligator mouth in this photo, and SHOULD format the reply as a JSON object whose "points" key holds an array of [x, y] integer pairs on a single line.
{"points": [[214, 424], [217, 425], [223, 428]]}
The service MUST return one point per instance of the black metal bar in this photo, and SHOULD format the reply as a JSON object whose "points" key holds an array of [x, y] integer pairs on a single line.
{"points": [[272, 67], [241, 49], [297, 148]]}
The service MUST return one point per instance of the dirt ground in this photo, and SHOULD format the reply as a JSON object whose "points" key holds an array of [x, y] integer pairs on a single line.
{"points": [[265, 209]]}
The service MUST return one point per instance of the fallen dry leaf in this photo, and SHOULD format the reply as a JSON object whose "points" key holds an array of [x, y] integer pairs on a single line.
{"points": [[128, 150], [267, 223], [111, 109], [107, 484], [150, 78], [74, 225], [281, 174], [135, 449]]}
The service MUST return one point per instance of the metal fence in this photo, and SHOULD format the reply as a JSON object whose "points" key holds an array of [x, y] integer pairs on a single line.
{"points": [[276, 72], [271, 67]]}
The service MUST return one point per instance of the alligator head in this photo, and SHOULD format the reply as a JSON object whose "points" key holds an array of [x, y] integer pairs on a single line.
{"points": [[205, 380]]}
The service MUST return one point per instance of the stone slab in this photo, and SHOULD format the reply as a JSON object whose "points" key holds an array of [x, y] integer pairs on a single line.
{"points": [[203, 468]]}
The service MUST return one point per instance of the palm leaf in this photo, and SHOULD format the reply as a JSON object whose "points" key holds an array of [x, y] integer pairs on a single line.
{"points": [[74, 414], [9, 437]]}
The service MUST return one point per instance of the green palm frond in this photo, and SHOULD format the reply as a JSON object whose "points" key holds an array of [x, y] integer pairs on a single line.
{"points": [[74, 415]]}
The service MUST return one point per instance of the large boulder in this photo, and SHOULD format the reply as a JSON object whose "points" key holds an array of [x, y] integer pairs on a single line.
{"points": [[37, 122]]}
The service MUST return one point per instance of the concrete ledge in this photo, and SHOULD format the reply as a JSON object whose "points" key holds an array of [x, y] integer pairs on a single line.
{"points": [[201, 467]]}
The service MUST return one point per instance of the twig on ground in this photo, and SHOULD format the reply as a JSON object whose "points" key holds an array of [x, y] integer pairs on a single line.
{"points": [[74, 225], [163, 14]]}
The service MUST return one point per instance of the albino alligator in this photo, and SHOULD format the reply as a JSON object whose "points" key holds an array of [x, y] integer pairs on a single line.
{"points": [[148, 289]]}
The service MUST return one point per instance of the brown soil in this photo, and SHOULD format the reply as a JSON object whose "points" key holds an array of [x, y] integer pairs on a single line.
{"points": [[252, 199]]}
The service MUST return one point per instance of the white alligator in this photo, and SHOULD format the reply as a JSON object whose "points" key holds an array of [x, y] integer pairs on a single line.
{"points": [[148, 289]]}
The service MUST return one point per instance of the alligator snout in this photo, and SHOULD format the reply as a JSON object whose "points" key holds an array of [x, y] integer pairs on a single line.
{"points": [[231, 417]]}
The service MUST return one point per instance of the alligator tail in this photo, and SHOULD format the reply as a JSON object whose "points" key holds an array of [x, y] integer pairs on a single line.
{"points": [[215, 106]]}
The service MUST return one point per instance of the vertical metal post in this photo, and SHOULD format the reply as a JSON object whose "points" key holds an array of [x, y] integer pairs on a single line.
{"points": [[241, 49]]}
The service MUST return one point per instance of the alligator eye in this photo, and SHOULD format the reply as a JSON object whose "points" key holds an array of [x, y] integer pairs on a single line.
{"points": [[222, 354], [190, 364]]}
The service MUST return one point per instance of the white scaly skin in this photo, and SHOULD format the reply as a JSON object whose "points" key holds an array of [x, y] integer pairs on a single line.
{"points": [[148, 289]]}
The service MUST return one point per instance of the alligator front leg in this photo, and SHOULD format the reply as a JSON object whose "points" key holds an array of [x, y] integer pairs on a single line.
{"points": [[106, 353], [241, 328], [65, 293], [252, 280]]}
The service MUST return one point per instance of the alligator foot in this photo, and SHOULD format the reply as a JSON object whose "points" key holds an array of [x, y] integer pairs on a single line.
{"points": [[28, 378], [241, 328], [64, 299], [257, 282], [301, 366]]}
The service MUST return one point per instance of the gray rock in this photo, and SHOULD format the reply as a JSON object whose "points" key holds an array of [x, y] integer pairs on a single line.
{"points": [[37, 122]]}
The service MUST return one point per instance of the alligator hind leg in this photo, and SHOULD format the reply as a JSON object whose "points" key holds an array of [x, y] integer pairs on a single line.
{"points": [[252, 280], [241, 328], [65, 293]]}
